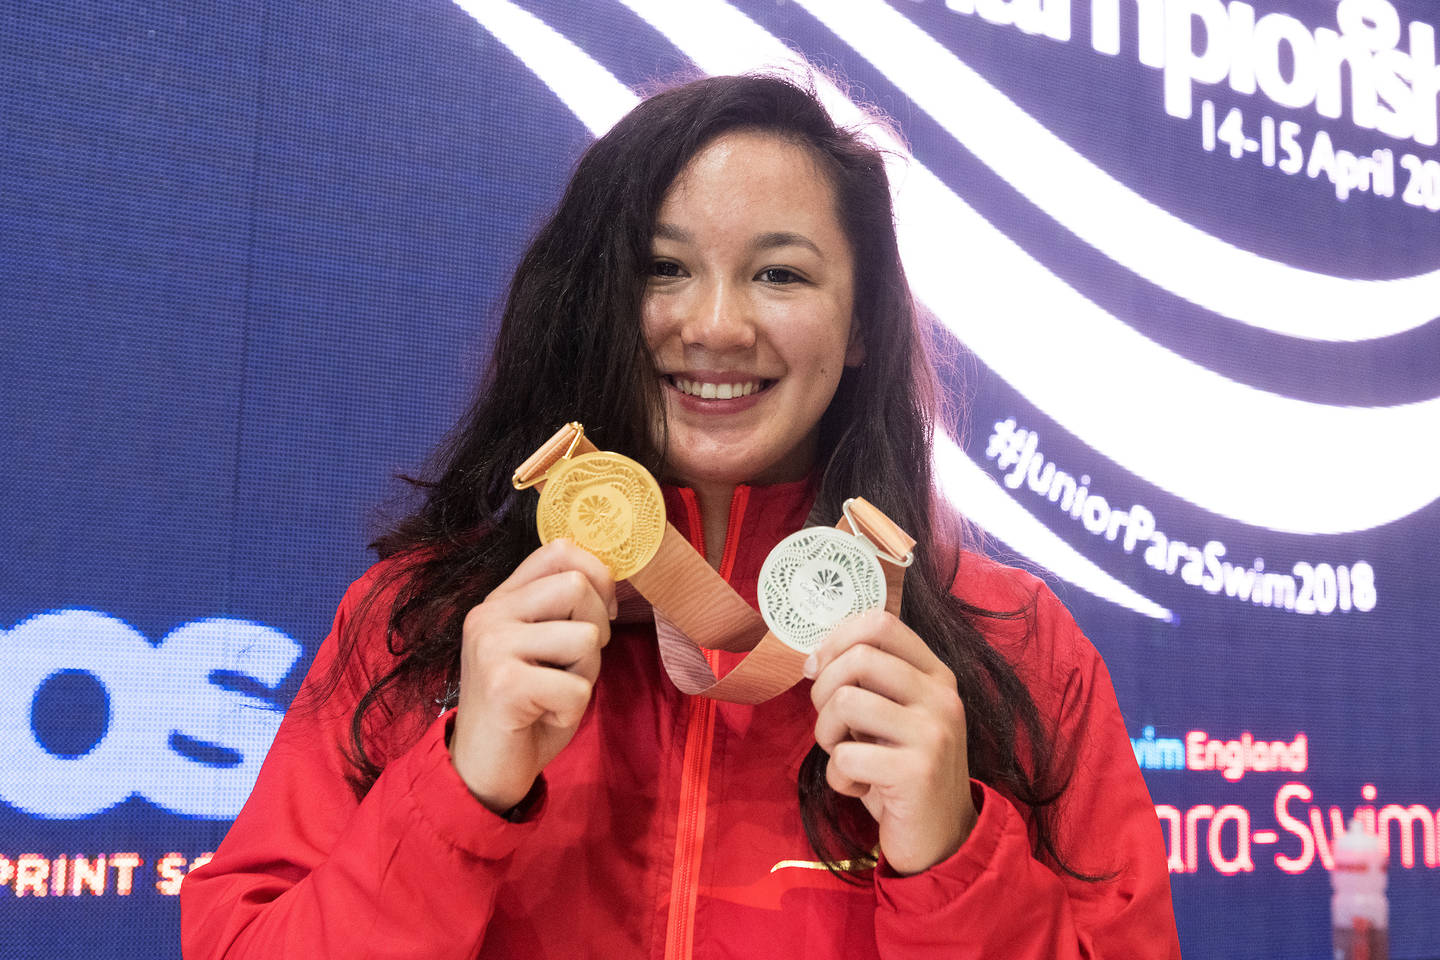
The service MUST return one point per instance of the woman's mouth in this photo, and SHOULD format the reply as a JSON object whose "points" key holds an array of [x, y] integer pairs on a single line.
{"points": [[718, 390]]}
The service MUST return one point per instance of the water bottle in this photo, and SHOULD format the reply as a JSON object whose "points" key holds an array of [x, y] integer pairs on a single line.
{"points": [[1359, 912]]}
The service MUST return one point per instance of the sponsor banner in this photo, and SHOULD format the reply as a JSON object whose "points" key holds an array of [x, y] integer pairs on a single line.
{"points": [[1181, 257]]}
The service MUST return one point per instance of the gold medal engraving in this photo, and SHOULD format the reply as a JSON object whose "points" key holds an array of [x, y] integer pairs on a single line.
{"points": [[608, 504]]}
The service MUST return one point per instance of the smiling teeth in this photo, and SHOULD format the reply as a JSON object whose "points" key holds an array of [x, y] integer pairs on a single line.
{"points": [[715, 391]]}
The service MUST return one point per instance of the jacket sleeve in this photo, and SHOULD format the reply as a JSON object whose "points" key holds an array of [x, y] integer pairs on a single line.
{"points": [[993, 898], [308, 871]]}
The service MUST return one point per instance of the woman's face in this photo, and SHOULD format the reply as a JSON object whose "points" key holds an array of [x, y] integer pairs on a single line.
{"points": [[747, 311]]}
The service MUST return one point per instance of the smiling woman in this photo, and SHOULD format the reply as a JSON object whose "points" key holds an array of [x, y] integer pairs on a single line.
{"points": [[719, 295]]}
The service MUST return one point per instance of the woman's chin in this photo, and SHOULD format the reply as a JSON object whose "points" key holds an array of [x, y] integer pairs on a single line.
{"points": [[718, 472], [713, 458]]}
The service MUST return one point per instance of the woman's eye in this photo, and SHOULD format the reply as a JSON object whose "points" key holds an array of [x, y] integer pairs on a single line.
{"points": [[779, 275], [665, 268]]}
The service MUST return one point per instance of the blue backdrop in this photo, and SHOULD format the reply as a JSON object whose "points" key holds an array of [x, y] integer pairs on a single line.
{"points": [[251, 257]]}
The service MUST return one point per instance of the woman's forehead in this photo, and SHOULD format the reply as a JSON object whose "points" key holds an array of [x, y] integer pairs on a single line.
{"points": [[769, 182], [747, 147]]}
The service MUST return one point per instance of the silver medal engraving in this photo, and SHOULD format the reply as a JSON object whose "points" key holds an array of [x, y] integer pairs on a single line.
{"points": [[815, 578]]}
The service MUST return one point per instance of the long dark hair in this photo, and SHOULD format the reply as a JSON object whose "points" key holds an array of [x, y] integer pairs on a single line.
{"points": [[571, 347]]}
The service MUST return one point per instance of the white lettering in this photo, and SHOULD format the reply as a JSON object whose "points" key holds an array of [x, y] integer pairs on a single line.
{"points": [[154, 693], [1017, 455]]}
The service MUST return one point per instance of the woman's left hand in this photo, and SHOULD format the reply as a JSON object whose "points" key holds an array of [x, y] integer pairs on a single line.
{"points": [[894, 726]]}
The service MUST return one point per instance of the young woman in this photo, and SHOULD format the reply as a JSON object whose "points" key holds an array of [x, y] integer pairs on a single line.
{"points": [[720, 296]]}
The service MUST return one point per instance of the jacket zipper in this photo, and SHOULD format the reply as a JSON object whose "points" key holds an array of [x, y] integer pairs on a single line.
{"points": [[695, 765]]}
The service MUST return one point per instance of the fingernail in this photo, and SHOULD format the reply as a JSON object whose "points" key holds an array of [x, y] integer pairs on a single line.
{"points": [[812, 665], [614, 609]]}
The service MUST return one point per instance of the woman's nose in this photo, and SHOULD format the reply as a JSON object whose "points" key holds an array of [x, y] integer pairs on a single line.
{"points": [[718, 319]]}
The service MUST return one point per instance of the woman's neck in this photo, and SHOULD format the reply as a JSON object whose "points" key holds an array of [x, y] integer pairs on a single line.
{"points": [[714, 501]]}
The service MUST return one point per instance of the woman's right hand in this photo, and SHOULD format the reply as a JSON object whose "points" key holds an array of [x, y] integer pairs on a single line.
{"points": [[529, 658]]}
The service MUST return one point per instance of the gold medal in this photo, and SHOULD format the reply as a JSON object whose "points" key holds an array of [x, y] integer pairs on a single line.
{"points": [[608, 504]]}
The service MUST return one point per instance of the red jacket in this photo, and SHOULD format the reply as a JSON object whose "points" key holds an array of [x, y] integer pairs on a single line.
{"points": [[665, 799]]}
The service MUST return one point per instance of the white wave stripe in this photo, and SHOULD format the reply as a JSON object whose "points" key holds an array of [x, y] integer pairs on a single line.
{"points": [[560, 64], [976, 494], [586, 88], [1112, 218], [1256, 457], [1250, 455]]}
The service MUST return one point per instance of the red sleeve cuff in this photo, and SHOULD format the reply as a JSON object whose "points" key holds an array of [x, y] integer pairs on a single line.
{"points": [[942, 883], [448, 807]]}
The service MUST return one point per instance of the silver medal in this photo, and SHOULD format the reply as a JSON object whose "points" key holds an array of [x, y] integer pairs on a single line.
{"points": [[815, 578]]}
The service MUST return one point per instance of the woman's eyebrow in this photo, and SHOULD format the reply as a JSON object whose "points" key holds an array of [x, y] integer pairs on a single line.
{"points": [[668, 231], [764, 241], [784, 238]]}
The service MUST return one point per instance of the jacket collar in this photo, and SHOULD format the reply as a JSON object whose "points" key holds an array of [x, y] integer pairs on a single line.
{"points": [[760, 517]]}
